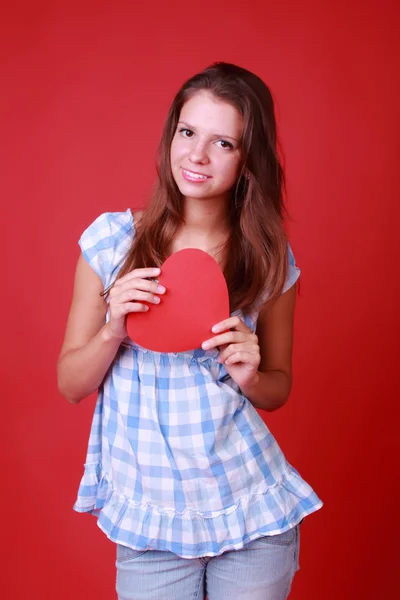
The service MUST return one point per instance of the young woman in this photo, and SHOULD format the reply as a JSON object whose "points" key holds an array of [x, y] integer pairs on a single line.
{"points": [[181, 471]]}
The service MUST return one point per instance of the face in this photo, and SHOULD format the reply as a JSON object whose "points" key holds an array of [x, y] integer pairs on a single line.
{"points": [[205, 150]]}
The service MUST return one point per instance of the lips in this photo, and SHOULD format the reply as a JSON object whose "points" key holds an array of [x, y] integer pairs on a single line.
{"points": [[194, 176]]}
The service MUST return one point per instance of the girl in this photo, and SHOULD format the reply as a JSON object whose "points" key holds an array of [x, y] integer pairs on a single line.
{"points": [[181, 471]]}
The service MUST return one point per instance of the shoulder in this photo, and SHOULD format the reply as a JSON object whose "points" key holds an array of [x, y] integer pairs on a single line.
{"points": [[106, 240], [293, 272], [137, 216], [109, 224]]}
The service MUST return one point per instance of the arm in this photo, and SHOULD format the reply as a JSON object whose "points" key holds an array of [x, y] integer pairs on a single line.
{"points": [[273, 381], [90, 345], [260, 364], [88, 349]]}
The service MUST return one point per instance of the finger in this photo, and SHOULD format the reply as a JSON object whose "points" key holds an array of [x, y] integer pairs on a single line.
{"points": [[138, 273], [231, 323], [231, 337], [233, 348], [252, 349], [137, 295], [138, 284], [129, 307], [242, 357]]}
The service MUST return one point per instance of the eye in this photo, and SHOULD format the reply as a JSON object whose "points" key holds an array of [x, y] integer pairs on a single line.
{"points": [[186, 132], [226, 145]]}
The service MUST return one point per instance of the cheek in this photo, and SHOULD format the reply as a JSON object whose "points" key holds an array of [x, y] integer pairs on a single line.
{"points": [[172, 153], [177, 154], [175, 148], [229, 171]]}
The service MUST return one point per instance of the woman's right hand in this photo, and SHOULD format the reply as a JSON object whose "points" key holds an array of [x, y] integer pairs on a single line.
{"points": [[127, 295]]}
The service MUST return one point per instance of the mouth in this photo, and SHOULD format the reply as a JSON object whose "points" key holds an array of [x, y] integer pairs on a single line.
{"points": [[193, 176]]}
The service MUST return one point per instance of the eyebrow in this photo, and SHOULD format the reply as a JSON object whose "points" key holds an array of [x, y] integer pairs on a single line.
{"points": [[218, 135]]}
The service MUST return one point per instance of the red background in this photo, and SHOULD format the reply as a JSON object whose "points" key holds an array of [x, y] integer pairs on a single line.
{"points": [[86, 87]]}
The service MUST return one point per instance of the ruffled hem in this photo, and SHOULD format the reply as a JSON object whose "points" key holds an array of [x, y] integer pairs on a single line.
{"points": [[193, 534]]}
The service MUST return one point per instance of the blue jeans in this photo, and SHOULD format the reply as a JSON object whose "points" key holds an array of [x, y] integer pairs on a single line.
{"points": [[262, 570]]}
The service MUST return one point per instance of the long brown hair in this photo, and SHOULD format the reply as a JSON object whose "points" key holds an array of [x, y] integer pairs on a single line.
{"points": [[257, 247]]}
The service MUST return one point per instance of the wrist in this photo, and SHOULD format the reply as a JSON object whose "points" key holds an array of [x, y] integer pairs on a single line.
{"points": [[107, 336], [250, 386]]}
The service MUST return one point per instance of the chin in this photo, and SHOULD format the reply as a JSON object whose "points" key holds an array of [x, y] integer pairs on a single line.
{"points": [[197, 194], [191, 190]]}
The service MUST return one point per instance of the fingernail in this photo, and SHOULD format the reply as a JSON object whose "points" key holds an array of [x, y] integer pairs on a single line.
{"points": [[161, 289], [156, 300], [205, 345], [214, 329]]}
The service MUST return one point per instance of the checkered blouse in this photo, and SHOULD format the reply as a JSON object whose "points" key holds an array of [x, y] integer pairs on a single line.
{"points": [[178, 459]]}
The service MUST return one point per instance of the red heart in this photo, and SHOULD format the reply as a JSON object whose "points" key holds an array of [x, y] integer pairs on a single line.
{"points": [[196, 299]]}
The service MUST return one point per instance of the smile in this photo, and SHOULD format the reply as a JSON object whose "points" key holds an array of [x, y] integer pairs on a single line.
{"points": [[190, 176]]}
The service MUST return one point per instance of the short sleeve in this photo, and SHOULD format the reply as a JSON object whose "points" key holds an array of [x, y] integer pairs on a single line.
{"points": [[293, 272], [105, 243]]}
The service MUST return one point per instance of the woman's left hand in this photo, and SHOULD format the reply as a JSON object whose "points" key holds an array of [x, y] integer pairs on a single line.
{"points": [[239, 351]]}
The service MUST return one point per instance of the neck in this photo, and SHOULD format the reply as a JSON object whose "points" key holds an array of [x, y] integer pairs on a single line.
{"points": [[206, 226], [207, 217]]}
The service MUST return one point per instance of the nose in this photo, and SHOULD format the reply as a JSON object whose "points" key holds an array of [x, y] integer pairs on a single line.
{"points": [[198, 153]]}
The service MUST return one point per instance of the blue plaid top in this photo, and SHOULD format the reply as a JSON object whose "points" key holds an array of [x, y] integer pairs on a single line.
{"points": [[178, 459]]}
